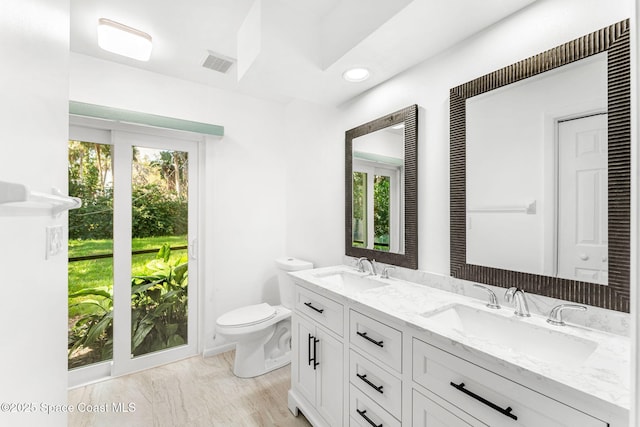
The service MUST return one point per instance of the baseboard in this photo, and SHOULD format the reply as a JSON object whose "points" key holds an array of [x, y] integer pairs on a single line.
{"points": [[209, 352]]}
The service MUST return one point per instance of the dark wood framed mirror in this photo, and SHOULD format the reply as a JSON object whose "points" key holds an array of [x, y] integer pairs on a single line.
{"points": [[381, 189], [609, 288]]}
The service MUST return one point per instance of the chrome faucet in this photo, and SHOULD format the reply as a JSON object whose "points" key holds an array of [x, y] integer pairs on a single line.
{"points": [[372, 266], [385, 272], [519, 301], [555, 317], [493, 300]]}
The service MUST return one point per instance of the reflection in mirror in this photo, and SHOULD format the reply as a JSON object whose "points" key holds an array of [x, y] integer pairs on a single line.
{"points": [[378, 180], [381, 218], [540, 193], [536, 168]]}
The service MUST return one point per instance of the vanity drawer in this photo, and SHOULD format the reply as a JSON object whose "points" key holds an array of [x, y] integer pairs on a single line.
{"points": [[365, 412], [376, 339], [427, 413], [475, 389], [323, 310], [381, 386]]}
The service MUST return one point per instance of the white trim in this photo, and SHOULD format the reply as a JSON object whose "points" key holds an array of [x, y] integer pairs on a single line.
{"points": [[210, 352], [108, 125]]}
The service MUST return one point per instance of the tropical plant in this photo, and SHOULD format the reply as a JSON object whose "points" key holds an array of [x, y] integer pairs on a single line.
{"points": [[93, 330], [158, 310], [159, 304]]}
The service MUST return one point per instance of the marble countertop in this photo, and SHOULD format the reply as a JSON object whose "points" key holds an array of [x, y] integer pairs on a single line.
{"points": [[605, 374]]}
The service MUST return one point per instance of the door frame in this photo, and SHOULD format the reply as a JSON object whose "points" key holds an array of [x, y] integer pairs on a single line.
{"points": [[122, 363]]}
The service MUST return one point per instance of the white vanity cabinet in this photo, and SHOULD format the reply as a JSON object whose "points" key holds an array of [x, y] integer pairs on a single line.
{"points": [[317, 366], [358, 361], [489, 398], [375, 372]]}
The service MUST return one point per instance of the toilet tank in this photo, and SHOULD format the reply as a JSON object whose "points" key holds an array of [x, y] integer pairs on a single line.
{"points": [[285, 283]]}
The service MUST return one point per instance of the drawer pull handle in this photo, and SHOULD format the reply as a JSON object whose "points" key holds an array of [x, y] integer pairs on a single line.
{"points": [[369, 420], [364, 335], [319, 310], [506, 412], [378, 388]]}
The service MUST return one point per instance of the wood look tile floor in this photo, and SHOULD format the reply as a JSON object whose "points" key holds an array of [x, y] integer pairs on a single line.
{"points": [[195, 392]]}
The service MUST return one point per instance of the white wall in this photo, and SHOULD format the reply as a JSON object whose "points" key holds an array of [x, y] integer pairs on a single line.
{"points": [[245, 201], [33, 135], [384, 142], [315, 183]]}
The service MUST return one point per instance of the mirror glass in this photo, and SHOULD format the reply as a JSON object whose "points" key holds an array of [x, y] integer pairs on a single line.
{"points": [[540, 188], [536, 168], [378, 183], [381, 189]]}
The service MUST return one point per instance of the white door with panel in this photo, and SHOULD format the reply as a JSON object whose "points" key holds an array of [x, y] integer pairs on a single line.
{"points": [[582, 199]]}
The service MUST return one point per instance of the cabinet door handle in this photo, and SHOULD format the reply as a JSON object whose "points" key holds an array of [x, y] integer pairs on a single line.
{"points": [[377, 388], [315, 353], [369, 420], [364, 335], [319, 310], [506, 412]]}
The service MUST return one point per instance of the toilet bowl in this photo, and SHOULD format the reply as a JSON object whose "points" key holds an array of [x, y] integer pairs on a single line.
{"points": [[262, 332]]}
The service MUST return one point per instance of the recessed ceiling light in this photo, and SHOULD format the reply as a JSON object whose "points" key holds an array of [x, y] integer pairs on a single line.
{"points": [[356, 75], [123, 40]]}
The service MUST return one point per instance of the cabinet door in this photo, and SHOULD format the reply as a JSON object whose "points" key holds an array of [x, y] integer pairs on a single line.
{"points": [[427, 413], [303, 376], [330, 378]]}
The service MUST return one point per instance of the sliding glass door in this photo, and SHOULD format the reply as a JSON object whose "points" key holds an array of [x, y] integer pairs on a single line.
{"points": [[132, 305]]}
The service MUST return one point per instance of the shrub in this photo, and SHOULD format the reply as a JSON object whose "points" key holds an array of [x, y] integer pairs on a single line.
{"points": [[159, 300], [155, 213]]}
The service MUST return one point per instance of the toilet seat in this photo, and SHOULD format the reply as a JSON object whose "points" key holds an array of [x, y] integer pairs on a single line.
{"points": [[247, 316]]}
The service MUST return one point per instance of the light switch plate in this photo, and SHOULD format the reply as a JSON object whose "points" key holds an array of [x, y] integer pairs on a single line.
{"points": [[55, 241]]}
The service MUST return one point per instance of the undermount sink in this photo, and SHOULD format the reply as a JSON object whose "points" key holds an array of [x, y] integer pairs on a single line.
{"points": [[350, 281], [514, 335]]}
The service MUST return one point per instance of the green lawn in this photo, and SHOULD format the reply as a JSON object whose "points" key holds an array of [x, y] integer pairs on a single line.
{"points": [[99, 272]]}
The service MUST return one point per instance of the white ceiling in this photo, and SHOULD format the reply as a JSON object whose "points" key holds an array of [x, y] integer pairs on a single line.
{"points": [[302, 47]]}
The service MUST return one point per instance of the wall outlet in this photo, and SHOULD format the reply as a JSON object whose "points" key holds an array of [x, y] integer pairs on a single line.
{"points": [[55, 241]]}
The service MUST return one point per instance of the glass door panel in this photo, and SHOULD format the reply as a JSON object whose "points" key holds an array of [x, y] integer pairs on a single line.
{"points": [[159, 262], [381, 212], [131, 251], [90, 268], [360, 209]]}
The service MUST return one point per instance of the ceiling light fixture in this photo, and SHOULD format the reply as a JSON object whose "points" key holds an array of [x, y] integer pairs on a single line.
{"points": [[356, 75], [123, 40]]}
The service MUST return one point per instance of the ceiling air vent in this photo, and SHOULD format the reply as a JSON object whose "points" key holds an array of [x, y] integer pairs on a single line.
{"points": [[216, 62]]}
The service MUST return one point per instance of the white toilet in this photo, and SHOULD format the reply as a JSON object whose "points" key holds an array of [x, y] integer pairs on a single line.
{"points": [[263, 332]]}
